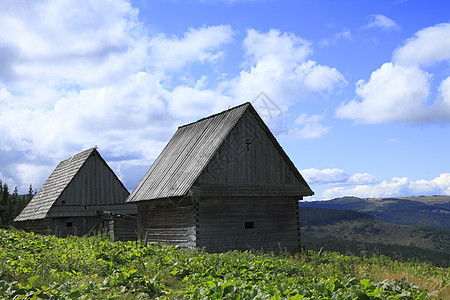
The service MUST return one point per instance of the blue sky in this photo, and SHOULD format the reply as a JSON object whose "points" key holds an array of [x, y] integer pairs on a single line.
{"points": [[361, 88]]}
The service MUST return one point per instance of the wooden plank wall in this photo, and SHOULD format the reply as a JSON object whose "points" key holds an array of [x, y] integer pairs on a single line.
{"points": [[43, 226], [170, 221], [125, 229], [120, 227], [94, 184], [248, 157], [221, 223]]}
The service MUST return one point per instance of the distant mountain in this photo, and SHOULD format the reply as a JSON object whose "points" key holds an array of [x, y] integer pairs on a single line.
{"points": [[359, 233], [433, 211]]}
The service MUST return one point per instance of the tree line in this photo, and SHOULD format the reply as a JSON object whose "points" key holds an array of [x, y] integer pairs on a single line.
{"points": [[312, 216], [11, 204]]}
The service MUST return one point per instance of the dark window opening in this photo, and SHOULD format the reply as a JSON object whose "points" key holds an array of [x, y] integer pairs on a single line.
{"points": [[249, 225], [69, 224]]}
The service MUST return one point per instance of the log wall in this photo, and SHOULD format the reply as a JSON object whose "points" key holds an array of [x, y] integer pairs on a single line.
{"points": [[170, 221], [247, 223]]}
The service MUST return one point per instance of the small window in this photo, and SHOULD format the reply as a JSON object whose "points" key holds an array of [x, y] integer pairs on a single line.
{"points": [[68, 224], [249, 225]]}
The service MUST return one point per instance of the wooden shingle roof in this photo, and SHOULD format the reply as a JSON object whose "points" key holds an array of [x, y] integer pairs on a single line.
{"points": [[41, 204], [189, 152]]}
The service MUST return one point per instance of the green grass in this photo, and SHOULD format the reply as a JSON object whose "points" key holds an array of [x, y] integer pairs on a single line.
{"points": [[45, 267]]}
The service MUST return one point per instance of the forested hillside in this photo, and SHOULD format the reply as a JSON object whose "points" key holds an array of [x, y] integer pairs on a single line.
{"points": [[433, 211], [311, 216], [349, 231]]}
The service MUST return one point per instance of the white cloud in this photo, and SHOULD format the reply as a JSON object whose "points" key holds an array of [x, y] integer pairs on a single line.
{"points": [[362, 178], [428, 46], [319, 78], [284, 47], [309, 127], [399, 90], [89, 43], [396, 187], [197, 45], [280, 68], [190, 102], [440, 110], [324, 176], [336, 176], [382, 22], [345, 34], [33, 173], [393, 93]]}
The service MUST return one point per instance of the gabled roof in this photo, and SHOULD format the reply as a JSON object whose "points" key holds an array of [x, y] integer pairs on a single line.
{"points": [[189, 152], [41, 204]]}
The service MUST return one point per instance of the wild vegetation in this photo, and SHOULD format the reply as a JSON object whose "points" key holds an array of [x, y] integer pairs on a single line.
{"points": [[45, 267]]}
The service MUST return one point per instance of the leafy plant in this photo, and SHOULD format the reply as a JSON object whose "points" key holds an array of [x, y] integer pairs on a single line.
{"points": [[45, 267]]}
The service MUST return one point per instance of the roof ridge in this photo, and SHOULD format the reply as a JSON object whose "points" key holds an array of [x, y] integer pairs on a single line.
{"points": [[79, 153], [215, 115]]}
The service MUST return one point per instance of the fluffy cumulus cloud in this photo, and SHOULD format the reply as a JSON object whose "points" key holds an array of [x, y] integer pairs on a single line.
{"points": [[199, 45], [400, 90], [382, 22], [280, 67], [46, 42], [428, 46], [396, 187], [75, 74], [309, 127], [393, 93]]}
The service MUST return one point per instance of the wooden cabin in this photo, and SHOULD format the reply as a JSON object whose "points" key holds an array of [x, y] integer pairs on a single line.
{"points": [[222, 183], [81, 197]]}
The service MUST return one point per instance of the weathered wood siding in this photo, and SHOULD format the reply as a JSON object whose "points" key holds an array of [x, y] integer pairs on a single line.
{"points": [[170, 221], [90, 210], [125, 229], [248, 157], [120, 227], [36, 226], [225, 223], [94, 184]]}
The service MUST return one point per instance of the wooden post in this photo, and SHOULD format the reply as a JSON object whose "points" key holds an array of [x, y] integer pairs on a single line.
{"points": [[146, 239], [320, 252]]}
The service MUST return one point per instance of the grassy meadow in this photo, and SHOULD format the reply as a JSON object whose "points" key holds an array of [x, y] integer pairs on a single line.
{"points": [[45, 267]]}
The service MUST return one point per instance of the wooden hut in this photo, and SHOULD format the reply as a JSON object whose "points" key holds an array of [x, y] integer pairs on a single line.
{"points": [[81, 196], [222, 183]]}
